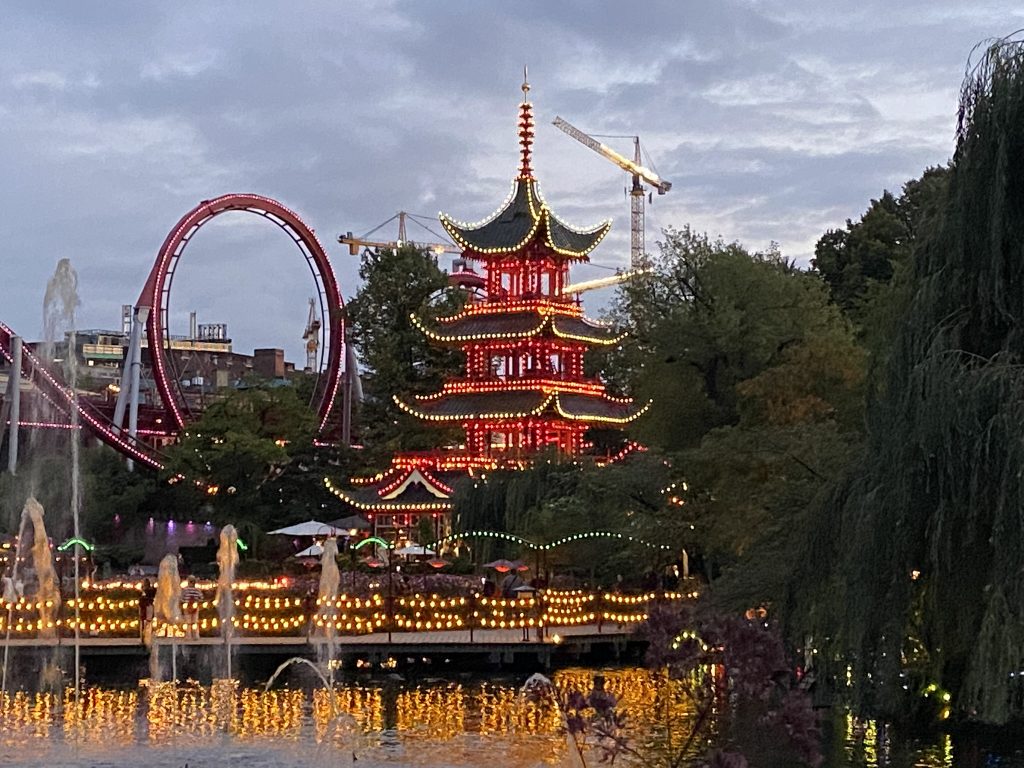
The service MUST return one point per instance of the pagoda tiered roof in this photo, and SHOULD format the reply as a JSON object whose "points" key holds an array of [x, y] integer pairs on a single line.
{"points": [[524, 390], [523, 399], [486, 322], [524, 217]]}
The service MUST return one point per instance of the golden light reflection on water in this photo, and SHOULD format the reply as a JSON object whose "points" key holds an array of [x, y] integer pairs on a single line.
{"points": [[867, 743], [384, 722], [360, 715]]}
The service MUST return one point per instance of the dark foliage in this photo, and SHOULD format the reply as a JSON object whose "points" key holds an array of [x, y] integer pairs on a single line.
{"points": [[915, 564]]}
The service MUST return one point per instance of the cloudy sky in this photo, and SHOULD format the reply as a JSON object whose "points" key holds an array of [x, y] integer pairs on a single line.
{"points": [[774, 120]]}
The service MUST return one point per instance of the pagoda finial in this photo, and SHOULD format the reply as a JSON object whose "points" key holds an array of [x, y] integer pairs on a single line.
{"points": [[525, 131]]}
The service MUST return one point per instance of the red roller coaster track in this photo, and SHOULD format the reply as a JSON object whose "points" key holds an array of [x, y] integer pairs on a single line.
{"points": [[155, 296]]}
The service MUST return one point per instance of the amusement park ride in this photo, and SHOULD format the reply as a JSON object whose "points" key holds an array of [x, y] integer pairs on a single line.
{"points": [[139, 429], [524, 316]]}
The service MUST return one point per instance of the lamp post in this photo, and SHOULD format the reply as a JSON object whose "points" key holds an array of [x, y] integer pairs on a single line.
{"points": [[390, 615], [389, 549]]}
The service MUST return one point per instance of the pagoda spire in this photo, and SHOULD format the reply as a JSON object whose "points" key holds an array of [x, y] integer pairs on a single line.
{"points": [[525, 131]]}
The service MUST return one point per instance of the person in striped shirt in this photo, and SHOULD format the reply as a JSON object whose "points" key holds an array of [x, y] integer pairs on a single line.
{"points": [[191, 597]]}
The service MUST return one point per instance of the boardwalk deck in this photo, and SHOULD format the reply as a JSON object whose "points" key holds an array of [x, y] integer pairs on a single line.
{"points": [[497, 646]]}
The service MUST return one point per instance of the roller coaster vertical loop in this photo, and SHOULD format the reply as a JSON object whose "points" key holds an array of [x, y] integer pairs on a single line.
{"points": [[155, 297]]}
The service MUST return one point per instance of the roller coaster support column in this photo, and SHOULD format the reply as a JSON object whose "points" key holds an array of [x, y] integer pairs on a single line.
{"points": [[351, 389], [14, 395], [130, 378]]}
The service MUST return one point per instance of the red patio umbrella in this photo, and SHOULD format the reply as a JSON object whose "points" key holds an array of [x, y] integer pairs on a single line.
{"points": [[501, 566]]}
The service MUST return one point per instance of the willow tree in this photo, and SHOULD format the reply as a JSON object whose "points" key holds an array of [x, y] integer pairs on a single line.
{"points": [[915, 568]]}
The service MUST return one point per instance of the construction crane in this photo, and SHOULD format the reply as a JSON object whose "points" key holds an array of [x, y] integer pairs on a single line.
{"points": [[356, 244], [636, 196], [312, 337]]}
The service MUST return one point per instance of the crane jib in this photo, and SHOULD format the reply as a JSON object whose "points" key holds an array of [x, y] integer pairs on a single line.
{"points": [[620, 160]]}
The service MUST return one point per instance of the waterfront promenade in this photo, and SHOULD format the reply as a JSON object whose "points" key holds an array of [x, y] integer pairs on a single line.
{"points": [[492, 647], [463, 637]]}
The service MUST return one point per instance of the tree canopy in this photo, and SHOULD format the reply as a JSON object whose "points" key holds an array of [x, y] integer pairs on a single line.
{"points": [[861, 262], [245, 452], [396, 357], [756, 381]]}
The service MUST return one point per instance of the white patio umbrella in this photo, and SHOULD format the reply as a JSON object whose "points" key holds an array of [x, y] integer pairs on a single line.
{"points": [[313, 551], [415, 549], [308, 528]]}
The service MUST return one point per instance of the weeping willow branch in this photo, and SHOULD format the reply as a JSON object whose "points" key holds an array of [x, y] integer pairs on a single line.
{"points": [[913, 572]]}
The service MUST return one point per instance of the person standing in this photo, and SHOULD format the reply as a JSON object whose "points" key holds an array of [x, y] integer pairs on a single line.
{"points": [[191, 597], [147, 594], [309, 608]]}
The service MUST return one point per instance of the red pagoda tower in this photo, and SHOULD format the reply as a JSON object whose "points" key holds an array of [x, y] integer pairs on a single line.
{"points": [[524, 390]]}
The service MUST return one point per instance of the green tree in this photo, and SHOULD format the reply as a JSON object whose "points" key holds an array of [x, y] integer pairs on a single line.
{"points": [[239, 447], [397, 358], [113, 492], [860, 262], [710, 316], [757, 388], [914, 565]]}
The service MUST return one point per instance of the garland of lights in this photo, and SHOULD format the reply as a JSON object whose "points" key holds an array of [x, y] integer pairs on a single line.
{"points": [[545, 402], [429, 506], [548, 321], [266, 610], [552, 545]]}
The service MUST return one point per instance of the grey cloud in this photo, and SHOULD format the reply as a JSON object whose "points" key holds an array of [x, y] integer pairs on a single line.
{"points": [[774, 120]]}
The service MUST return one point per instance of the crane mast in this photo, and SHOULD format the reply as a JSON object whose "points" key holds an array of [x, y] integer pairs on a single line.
{"points": [[637, 192], [637, 223]]}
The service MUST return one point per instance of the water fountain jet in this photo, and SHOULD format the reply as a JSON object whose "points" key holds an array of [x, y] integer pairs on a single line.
{"points": [[166, 614], [48, 591], [59, 305], [337, 715], [327, 594], [227, 562]]}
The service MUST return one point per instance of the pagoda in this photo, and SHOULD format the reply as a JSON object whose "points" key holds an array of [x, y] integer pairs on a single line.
{"points": [[523, 391]]}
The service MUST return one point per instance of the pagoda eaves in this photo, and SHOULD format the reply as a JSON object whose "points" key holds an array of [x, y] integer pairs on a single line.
{"points": [[523, 219], [491, 323]]}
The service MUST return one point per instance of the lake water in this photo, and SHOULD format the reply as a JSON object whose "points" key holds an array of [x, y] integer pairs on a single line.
{"points": [[386, 722]]}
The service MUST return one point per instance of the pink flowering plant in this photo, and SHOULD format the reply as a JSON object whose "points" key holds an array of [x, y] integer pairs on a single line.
{"points": [[751, 707]]}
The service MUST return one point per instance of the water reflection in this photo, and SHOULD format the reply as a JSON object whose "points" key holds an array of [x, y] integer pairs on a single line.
{"points": [[442, 722], [383, 722]]}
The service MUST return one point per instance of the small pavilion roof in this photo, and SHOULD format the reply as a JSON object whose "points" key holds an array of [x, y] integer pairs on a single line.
{"points": [[405, 489]]}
